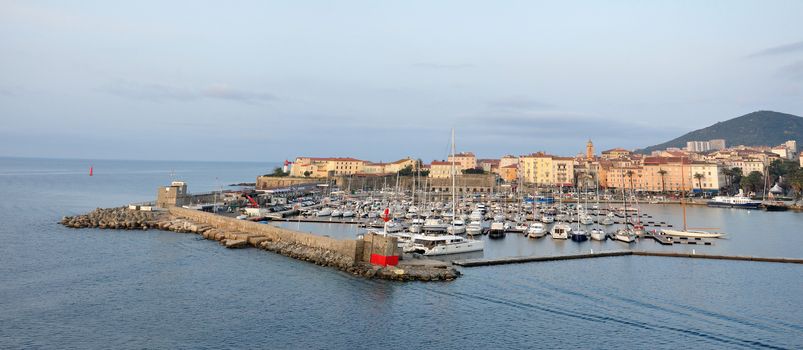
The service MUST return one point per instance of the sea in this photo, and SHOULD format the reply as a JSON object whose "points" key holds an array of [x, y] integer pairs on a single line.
{"points": [[63, 288]]}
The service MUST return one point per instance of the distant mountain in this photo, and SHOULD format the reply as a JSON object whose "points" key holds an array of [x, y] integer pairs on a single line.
{"points": [[762, 128]]}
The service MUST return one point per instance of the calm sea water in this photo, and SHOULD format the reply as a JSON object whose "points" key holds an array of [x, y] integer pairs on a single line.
{"points": [[62, 288]]}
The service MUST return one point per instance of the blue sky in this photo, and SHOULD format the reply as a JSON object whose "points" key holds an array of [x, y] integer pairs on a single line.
{"points": [[266, 81]]}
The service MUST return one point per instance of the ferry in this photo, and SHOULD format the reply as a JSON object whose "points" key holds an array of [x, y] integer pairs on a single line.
{"points": [[737, 201]]}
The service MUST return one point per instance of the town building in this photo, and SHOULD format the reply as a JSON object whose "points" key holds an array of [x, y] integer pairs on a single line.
{"points": [[543, 169], [325, 167], [705, 146], [465, 160], [616, 153], [509, 173], [442, 169]]}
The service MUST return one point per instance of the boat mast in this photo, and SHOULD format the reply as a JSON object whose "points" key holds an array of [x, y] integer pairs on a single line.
{"points": [[454, 192], [682, 195]]}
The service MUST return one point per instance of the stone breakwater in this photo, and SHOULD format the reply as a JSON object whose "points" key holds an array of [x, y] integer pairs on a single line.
{"points": [[114, 218], [127, 219]]}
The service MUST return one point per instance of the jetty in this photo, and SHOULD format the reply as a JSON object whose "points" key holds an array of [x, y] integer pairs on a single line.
{"points": [[604, 254]]}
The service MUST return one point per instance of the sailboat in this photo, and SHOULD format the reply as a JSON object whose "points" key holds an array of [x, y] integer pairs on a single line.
{"points": [[579, 234], [560, 230], [597, 233], [625, 234], [448, 243], [697, 233]]}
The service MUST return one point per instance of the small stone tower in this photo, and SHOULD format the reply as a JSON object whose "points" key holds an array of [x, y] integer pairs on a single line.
{"points": [[589, 150], [173, 195]]}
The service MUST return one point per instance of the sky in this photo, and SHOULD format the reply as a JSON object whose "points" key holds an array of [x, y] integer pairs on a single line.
{"points": [[382, 80]]}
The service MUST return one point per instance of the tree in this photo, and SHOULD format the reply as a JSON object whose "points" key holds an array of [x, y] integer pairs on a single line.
{"points": [[277, 171], [407, 171], [699, 177], [795, 179], [477, 170], [307, 173], [663, 173], [752, 182], [629, 174]]}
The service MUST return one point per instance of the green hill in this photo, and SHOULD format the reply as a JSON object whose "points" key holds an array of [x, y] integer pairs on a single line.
{"points": [[762, 128]]}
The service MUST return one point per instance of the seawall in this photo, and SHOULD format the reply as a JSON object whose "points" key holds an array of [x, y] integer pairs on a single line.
{"points": [[349, 250]]}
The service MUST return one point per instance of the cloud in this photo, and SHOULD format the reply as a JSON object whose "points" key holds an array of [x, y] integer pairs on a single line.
{"points": [[518, 103], [162, 92], [559, 125], [779, 50], [442, 66], [792, 71], [223, 91]]}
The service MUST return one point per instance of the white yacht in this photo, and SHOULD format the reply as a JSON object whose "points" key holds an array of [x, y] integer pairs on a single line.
{"points": [[586, 219], [560, 230], [416, 225], [691, 233], [393, 227], [536, 230], [475, 215], [348, 213], [458, 227], [497, 230], [336, 213], [434, 225], [608, 220], [442, 245], [324, 212], [598, 234], [547, 219], [474, 228]]}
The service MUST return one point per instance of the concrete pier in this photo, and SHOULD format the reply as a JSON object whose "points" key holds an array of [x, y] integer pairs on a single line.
{"points": [[525, 259]]}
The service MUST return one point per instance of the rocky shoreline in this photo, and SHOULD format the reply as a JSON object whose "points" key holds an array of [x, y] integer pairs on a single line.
{"points": [[123, 218]]}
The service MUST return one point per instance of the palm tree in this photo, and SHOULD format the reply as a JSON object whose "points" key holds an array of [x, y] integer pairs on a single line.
{"points": [[699, 177], [629, 174], [663, 173]]}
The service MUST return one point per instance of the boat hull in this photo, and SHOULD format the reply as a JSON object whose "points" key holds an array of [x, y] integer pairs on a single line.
{"points": [[692, 234], [733, 205]]}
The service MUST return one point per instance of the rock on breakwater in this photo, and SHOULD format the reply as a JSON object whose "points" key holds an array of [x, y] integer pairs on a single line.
{"points": [[114, 218], [124, 218]]}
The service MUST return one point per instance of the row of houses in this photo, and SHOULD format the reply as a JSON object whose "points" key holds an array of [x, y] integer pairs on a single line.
{"points": [[668, 170]]}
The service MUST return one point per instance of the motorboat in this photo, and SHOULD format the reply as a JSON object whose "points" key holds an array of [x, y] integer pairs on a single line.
{"points": [[458, 227], [475, 215], [560, 230], [497, 230], [392, 227], [434, 225], [416, 225], [547, 219], [348, 214], [520, 227], [586, 219], [536, 230], [625, 235], [598, 234], [579, 235], [608, 220], [324, 212], [336, 213], [474, 228], [442, 245]]}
